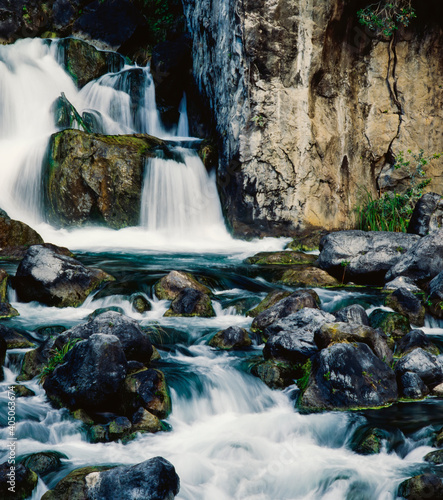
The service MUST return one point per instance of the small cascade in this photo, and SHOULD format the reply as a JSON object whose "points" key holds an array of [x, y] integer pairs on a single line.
{"points": [[183, 123]]}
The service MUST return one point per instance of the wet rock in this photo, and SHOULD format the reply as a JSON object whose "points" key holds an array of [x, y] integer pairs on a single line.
{"points": [[406, 303], [154, 478], [49, 276], [169, 287], [14, 339], [427, 215], [91, 376], [141, 304], [349, 376], [16, 237], [425, 365], [363, 257], [43, 463], [95, 179], [147, 389], [413, 340], [233, 337], [369, 441], [271, 299], [392, 324], [331, 333], [85, 63], [135, 342], [411, 386], [306, 317], [423, 486], [102, 310], [435, 296], [422, 261], [308, 276], [275, 374], [402, 282], [21, 391], [191, 302], [308, 241], [25, 481], [354, 313], [434, 457], [119, 428], [6, 310], [296, 301], [144, 421], [50, 331], [293, 346], [285, 258]]}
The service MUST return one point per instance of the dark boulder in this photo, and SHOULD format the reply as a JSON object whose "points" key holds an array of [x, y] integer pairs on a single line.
{"points": [[92, 375], [135, 342], [44, 462], [24, 481], [406, 303], [51, 277], [169, 287], [428, 367], [411, 386], [233, 337], [435, 296], [85, 63], [348, 376], [420, 487], [95, 179], [434, 457], [413, 340], [145, 421], [141, 304], [156, 478], [331, 333], [363, 257], [15, 339], [16, 237], [427, 214], [276, 374], [296, 301], [369, 440], [354, 313], [191, 302], [271, 299], [422, 261]]}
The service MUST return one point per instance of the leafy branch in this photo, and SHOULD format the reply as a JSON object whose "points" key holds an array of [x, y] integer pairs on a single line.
{"points": [[387, 16]]}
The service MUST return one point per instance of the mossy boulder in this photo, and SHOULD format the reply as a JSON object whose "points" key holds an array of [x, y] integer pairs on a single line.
{"points": [[141, 304], [21, 391], [392, 324], [233, 337], [145, 421], [406, 303], [434, 457], [369, 440], [14, 339], [25, 480], [190, 302], [93, 178], [46, 274], [307, 241], [284, 258], [308, 276], [15, 238], [43, 463], [271, 299], [426, 485], [6, 310], [276, 374], [85, 63], [169, 287]]}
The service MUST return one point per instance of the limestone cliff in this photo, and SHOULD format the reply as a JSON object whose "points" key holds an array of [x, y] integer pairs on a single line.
{"points": [[312, 108]]}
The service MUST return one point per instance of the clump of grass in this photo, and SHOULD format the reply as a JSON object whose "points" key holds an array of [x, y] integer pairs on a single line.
{"points": [[57, 357], [392, 211]]}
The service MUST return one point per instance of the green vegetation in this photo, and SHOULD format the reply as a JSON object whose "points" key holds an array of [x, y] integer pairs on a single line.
{"points": [[387, 16], [392, 211], [303, 381], [57, 357]]}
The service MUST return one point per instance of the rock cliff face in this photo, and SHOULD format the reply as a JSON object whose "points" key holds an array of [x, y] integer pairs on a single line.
{"points": [[312, 108]]}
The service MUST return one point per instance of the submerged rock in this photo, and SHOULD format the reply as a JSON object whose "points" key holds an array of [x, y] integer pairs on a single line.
{"points": [[233, 337], [191, 302], [348, 376], [423, 261], [141, 304], [296, 301], [92, 178], [43, 463], [48, 275], [363, 257], [169, 287]]}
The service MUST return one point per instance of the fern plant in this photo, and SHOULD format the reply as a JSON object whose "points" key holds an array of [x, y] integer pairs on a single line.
{"points": [[56, 358]]}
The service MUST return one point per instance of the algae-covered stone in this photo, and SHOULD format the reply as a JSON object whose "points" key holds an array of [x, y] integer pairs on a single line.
{"points": [[14, 339], [392, 324], [15, 237], [6, 310], [48, 275], [141, 304], [308, 241], [271, 299], [145, 421], [233, 337], [285, 258], [434, 457], [21, 391], [175, 282], [275, 374], [308, 276], [423, 486], [92, 178], [191, 302], [368, 441], [43, 462], [85, 63]]}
